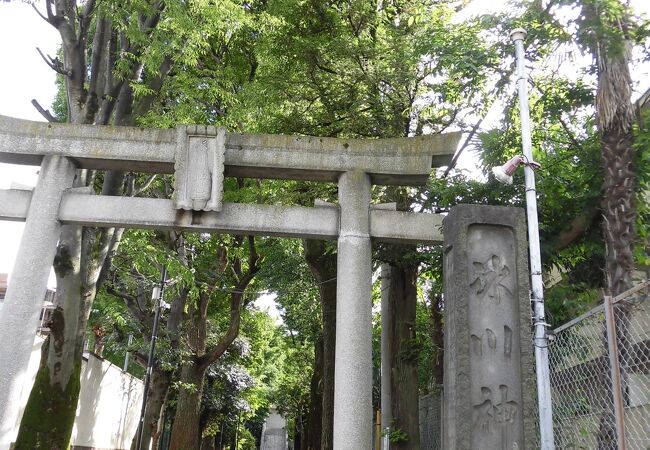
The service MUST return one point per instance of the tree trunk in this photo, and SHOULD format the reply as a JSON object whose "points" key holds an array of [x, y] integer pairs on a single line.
{"points": [[312, 437], [323, 266], [156, 399], [80, 254], [185, 432], [298, 438], [615, 116], [404, 355], [208, 442], [437, 338], [56, 389], [619, 211], [47, 422]]}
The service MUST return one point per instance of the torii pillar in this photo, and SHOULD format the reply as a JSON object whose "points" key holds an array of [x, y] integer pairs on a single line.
{"points": [[353, 361], [28, 284]]}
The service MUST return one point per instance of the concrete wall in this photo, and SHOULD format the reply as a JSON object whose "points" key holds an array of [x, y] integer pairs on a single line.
{"points": [[109, 403], [109, 406]]}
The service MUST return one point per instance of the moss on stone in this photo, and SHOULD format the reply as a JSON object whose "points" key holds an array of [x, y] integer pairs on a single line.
{"points": [[50, 413]]}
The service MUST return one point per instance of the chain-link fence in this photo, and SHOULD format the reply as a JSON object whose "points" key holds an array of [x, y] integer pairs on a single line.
{"points": [[600, 375], [430, 420]]}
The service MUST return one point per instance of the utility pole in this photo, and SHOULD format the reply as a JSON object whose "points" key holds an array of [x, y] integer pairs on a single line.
{"points": [[157, 296], [541, 339], [127, 354]]}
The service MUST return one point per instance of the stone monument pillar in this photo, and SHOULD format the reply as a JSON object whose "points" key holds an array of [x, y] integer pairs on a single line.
{"points": [[353, 361], [489, 380]]}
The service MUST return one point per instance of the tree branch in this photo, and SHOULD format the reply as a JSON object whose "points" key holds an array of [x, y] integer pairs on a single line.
{"points": [[236, 303], [86, 16], [471, 134], [203, 362], [54, 20], [97, 67], [41, 14], [144, 186], [130, 302], [54, 64], [44, 112], [577, 228], [108, 259]]}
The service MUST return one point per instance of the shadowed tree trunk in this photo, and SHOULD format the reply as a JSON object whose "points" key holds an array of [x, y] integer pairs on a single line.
{"points": [[154, 415], [57, 384], [312, 437], [185, 431], [402, 300], [208, 442], [437, 338], [323, 266]]}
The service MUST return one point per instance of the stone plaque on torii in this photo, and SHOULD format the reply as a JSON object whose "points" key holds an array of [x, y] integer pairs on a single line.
{"points": [[200, 157]]}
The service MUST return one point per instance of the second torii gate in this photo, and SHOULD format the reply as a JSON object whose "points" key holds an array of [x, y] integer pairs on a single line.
{"points": [[200, 156]]}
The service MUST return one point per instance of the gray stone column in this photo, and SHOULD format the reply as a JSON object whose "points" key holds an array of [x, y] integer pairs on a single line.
{"points": [[488, 382], [27, 287], [353, 362]]}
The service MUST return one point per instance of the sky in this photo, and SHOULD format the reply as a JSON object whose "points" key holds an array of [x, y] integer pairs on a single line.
{"points": [[24, 77]]}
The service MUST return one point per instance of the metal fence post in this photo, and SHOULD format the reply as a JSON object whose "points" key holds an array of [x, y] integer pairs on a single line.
{"points": [[615, 369]]}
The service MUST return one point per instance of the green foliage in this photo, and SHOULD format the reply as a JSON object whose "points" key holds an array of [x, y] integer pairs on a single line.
{"points": [[567, 300], [291, 391], [396, 435], [60, 102], [642, 169], [356, 70]]}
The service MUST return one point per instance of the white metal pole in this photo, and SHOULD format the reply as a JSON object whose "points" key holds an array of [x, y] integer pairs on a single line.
{"points": [[541, 342]]}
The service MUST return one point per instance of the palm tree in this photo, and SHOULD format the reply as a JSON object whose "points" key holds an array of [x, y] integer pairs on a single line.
{"points": [[606, 30], [615, 113]]}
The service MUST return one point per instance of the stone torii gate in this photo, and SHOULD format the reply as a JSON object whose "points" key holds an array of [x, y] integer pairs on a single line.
{"points": [[200, 156]]}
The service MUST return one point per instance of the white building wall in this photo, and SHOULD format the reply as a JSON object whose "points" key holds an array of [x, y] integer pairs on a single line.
{"points": [[109, 403], [109, 406]]}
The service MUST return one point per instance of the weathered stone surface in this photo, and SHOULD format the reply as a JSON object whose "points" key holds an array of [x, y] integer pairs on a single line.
{"points": [[400, 161], [489, 381], [320, 222], [405, 227], [28, 284], [198, 180], [234, 218], [353, 361]]}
